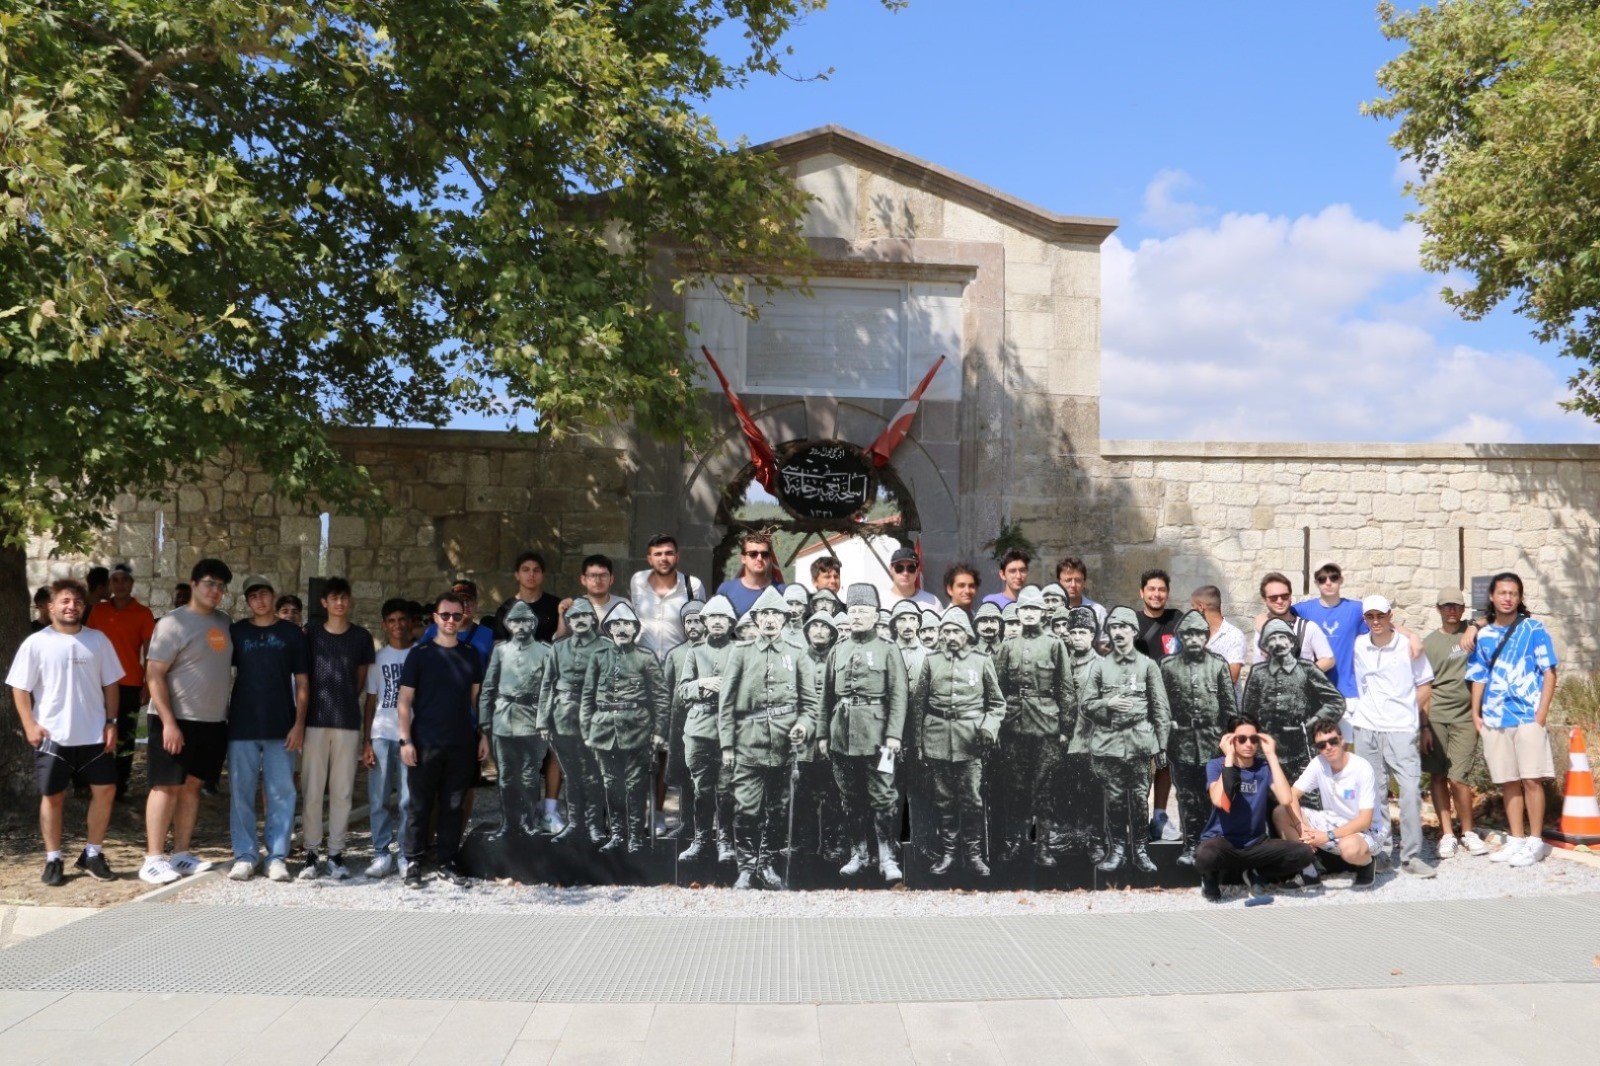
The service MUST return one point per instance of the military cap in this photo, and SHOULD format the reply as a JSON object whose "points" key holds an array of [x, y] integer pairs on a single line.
{"points": [[822, 597], [1030, 596], [1054, 589], [1081, 618], [861, 594], [619, 612], [825, 619], [1193, 621], [580, 605], [690, 609], [1122, 616], [987, 609], [955, 616], [930, 619], [883, 616], [521, 611], [1276, 625], [841, 620], [911, 607], [746, 619], [796, 596], [1009, 612], [769, 600], [718, 605]]}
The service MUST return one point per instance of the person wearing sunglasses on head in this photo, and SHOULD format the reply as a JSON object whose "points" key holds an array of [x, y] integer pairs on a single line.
{"points": [[1241, 785], [905, 571], [757, 572]]}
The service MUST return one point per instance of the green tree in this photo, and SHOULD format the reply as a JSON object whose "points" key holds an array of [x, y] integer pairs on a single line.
{"points": [[234, 223], [1498, 106]]}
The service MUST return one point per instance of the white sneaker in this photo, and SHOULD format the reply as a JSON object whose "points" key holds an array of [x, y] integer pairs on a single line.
{"points": [[242, 870], [403, 864], [1474, 843], [382, 866], [1447, 846], [337, 869], [187, 865], [278, 870], [1510, 849], [158, 871], [1536, 851], [310, 871], [550, 822]]}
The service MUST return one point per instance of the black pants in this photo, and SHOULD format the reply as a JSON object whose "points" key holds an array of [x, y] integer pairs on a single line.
{"points": [[1029, 766], [127, 725], [1194, 802], [586, 796], [521, 763], [1274, 860], [439, 782]]}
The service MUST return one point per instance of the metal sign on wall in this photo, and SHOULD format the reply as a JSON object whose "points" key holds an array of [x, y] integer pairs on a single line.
{"points": [[827, 480]]}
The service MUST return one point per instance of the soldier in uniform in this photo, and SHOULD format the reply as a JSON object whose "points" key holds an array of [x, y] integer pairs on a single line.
{"points": [[768, 703], [841, 623], [508, 713], [560, 709], [1058, 624], [624, 720], [885, 630], [795, 602], [824, 602], [816, 802], [745, 628], [1079, 804], [905, 619], [928, 631], [697, 739], [1200, 693], [864, 687], [1127, 704], [1055, 600], [1010, 624], [1036, 679], [986, 619], [694, 636], [958, 705], [1286, 695]]}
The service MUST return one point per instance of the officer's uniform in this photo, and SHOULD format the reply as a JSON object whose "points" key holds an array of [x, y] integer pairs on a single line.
{"points": [[1037, 681], [559, 714], [700, 742], [508, 711], [1286, 701], [671, 674], [1080, 805], [1200, 693], [624, 705]]}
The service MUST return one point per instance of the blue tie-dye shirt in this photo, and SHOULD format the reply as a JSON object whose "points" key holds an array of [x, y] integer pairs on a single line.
{"points": [[1511, 696]]}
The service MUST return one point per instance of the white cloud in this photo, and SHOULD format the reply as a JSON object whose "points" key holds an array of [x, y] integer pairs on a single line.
{"points": [[1163, 210], [1321, 327]]}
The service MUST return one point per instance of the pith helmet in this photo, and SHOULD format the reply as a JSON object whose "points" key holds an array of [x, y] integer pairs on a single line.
{"points": [[769, 600], [619, 612], [987, 609], [1122, 616], [1194, 622], [911, 607], [521, 611], [719, 605], [955, 616], [580, 605], [1030, 596]]}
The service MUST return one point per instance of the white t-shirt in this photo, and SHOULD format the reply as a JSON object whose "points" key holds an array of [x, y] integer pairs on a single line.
{"points": [[922, 596], [67, 673], [1387, 679], [1344, 794], [383, 681]]}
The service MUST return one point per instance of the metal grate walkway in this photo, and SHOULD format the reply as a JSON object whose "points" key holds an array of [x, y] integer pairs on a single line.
{"points": [[287, 951]]}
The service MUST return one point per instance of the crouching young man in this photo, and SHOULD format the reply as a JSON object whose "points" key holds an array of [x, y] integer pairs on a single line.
{"points": [[1342, 830], [1241, 784]]}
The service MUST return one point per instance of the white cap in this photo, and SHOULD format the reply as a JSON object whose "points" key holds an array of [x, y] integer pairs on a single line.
{"points": [[1376, 603]]}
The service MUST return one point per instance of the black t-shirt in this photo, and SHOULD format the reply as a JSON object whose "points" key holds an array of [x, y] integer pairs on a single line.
{"points": [[545, 608], [265, 660], [1158, 637], [442, 711], [336, 693]]}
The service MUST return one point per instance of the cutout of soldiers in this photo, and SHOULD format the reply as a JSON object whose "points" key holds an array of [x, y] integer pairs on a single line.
{"points": [[906, 620], [745, 628], [885, 630], [509, 703], [1286, 695], [824, 602], [1200, 694], [1058, 624], [795, 602], [1080, 806], [768, 704], [841, 623], [710, 794], [928, 631], [959, 707], [1010, 624], [672, 672], [986, 620], [1036, 680], [817, 821], [864, 692], [1055, 601], [624, 719], [560, 723], [1127, 703]]}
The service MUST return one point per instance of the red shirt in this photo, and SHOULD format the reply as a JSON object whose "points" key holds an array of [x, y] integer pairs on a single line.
{"points": [[129, 630]]}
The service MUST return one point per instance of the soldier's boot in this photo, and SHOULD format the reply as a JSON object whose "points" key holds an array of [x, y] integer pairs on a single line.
{"points": [[1042, 855], [766, 876], [947, 850], [746, 831], [595, 815], [974, 851], [725, 849], [616, 843], [858, 859], [701, 847], [837, 848], [638, 832], [1140, 858], [888, 826], [1189, 846], [1113, 859]]}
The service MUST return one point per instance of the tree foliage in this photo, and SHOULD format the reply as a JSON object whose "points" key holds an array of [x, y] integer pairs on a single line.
{"points": [[1498, 106], [235, 222]]}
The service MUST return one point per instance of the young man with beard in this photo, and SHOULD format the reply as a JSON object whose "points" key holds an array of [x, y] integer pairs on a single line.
{"points": [[864, 690], [1200, 693], [624, 720], [755, 572], [560, 714], [1036, 681], [659, 594], [695, 734]]}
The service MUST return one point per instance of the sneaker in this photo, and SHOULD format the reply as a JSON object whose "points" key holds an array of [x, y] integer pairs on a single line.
{"points": [[1255, 882], [452, 873], [95, 866], [661, 824], [412, 877], [403, 865], [1536, 851], [382, 866], [1447, 846], [1474, 843], [337, 869], [1158, 826], [1210, 888], [1510, 849], [550, 822], [52, 875], [242, 870], [1365, 875], [278, 870], [158, 871], [312, 869], [1170, 831], [187, 865], [1309, 881], [1418, 868]]}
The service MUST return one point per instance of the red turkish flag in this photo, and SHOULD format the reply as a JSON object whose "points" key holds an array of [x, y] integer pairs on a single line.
{"points": [[900, 425], [761, 454]]}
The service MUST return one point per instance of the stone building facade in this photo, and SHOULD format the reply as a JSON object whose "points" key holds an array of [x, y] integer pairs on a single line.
{"points": [[921, 261]]}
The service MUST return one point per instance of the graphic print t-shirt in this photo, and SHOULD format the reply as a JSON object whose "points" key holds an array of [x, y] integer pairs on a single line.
{"points": [[1511, 696], [1341, 624], [383, 681]]}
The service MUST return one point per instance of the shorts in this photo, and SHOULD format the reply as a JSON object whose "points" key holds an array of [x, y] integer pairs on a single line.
{"points": [[1324, 822], [205, 745], [1519, 753], [58, 768], [1454, 746]]}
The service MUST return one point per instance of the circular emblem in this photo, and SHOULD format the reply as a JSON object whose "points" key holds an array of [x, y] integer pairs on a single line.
{"points": [[825, 479]]}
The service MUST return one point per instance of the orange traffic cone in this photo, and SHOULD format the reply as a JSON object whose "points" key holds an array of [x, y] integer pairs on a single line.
{"points": [[1580, 812]]}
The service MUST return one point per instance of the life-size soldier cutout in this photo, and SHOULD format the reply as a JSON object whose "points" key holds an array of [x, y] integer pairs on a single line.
{"points": [[672, 668], [698, 742], [928, 631], [508, 712], [1080, 806], [1010, 624], [906, 620], [885, 630], [1286, 695], [1036, 679], [795, 602], [864, 689], [745, 629], [986, 620], [1200, 694], [624, 719], [958, 707], [560, 713], [768, 704], [1127, 704], [818, 826]]}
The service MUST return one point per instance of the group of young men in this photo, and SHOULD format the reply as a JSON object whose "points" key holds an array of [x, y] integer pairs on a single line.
{"points": [[1057, 719]]}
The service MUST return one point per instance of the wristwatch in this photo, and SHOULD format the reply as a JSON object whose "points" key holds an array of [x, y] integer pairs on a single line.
{"points": [[404, 743]]}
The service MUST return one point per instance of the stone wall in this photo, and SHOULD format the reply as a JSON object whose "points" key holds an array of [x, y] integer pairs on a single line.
{"points": [[463, 504]]}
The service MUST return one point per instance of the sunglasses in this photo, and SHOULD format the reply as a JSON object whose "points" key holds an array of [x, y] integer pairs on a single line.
{"points": [[449, 616], [1330, 742], [1325, 578], [904, 568], [758, 555], [1284, 596], [1248, 739]]}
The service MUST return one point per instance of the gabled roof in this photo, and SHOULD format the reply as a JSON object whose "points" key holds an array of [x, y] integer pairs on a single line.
{"points": [[920, 174]]}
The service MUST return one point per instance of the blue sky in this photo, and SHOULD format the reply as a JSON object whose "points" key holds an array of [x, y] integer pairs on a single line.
{"points": [[1263, 277]]}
